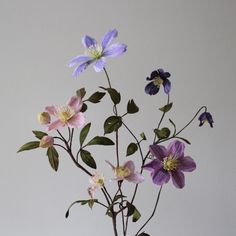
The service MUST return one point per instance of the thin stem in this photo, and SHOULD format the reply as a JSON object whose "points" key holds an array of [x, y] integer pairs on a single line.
{"points": [[153, 212], [71, 137], [55, 144], [108, 79]]}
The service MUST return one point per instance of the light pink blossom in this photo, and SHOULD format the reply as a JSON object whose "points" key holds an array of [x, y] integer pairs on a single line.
{"points": [[46, 141]]}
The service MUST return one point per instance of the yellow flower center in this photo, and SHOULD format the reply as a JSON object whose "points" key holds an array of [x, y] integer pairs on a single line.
{"points": [[100, 182], [122, 172], [170, 163], [65, 113], [95, 51], [158, 81]]}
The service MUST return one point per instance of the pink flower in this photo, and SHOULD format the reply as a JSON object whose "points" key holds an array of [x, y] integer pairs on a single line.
{"points": [[44, 118], [68, 114], [97, 181], [127, 172], [46, 141]]}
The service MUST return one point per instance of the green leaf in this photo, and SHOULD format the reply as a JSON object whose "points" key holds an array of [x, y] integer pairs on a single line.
{"points": [[39, 134], [162, 133], [131, 149], [144, 234], [136, 215], [84, 107], [53, 158], [99, 140], [131, 209], [81, 92], [143, 136], [115, 96], [172, 122], [84, 133], [96, 97], [166, 108], [112, 123], [132, 107], [184, 139], [88, 159], [29, 146]]}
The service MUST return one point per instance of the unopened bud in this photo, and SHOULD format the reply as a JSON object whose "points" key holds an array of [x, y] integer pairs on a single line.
{"points": [[44, 118], [46, 142]]}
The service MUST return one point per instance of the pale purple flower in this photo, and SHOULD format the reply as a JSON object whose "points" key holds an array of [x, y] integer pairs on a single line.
{"points": [[127, 172], [169, 163], [206, 117], [97, 53]]}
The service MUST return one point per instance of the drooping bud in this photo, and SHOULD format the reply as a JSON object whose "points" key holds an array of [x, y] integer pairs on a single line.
{"points": [[44, 118], [46, 142]]}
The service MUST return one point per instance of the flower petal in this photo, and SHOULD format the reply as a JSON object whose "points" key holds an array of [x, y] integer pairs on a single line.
{"points": [[88, 41], [176, 149], [135, 178], [160, 177], [187, 164], [108, 37], [81, 68], [130, 165], [151, 88], [100, 64], [78, 59], [55, 125], [76, 121], [178, 179], [51, 110], [167, 86], [115, 50], [158, 151], [76, 103], [153, 166]]}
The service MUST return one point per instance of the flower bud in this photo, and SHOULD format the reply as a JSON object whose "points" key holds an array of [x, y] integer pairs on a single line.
{"points": [[46, 142], [44, 118]]}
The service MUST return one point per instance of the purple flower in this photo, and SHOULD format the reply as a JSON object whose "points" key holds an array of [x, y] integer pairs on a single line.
{"points": [[158, 77], [169, 163], [206, 117], [97, 52]]}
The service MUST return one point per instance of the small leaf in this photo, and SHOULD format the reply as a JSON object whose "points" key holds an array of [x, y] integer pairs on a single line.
{"points": [[53, 158], [144, 234], [84, 133], [131, 209], [166, 108], [84, 107], [115, 96], [131, 149], [143, 136], [132, 107], [172, 122], [112, 123], [88, 159], [96, 97], [91, 203], [98, 140], [81, 92], [162, 133], [184, 139], [29, 146], [136, 215], [39, 134]]}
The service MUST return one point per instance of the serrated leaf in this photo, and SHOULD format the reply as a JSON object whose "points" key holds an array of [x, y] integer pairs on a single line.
{"points": [[143, 136], [88, 159], [96, 97], [81, 92], [162, 133], [29, 146], [144, 234], [132, 107], [136, 215], [131, 149], [84, 132], [99, 140], [166, 108], [84, 107], [112, 123], [115, 96], [184, 139], [53, 158], [39, 134]]}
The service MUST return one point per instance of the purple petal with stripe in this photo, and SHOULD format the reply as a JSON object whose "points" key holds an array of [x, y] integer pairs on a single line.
{"points": [[176, 149], [115, 50], [161, 177], [186, 164], [178, 179], [108, 37], [153, 166], [100, 64], [88, 41], [81, 68], [158, 151], [78, 59], [167, 86]]}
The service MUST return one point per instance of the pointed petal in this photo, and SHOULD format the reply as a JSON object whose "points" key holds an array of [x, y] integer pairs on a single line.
{"points": [[78, 59], [76, 121], [187, 164], [51, 110], [100, 64], [76, 103], [153, 166], [79, 69], [167, 86], [176, 149], [115, 50], [55, 125], [88, 41], [160, 177], [158, 151], [135, 178], [178, 179], [108, 37], [130, 165]]}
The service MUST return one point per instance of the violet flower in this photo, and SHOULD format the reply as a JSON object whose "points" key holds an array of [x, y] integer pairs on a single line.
{"points": [[169, 163], [97, 52], [206, 117], [158, 77]]}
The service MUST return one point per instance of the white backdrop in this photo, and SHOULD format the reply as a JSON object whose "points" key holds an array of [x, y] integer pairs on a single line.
{"points": [[193, 40]]}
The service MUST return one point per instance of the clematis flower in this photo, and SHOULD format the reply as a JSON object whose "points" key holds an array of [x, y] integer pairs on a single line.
{"points": [[206, 117], [46, 141], [97, 53], [68, 114], [97, 181], [169, 163], [158, 77], [127, 172]]}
